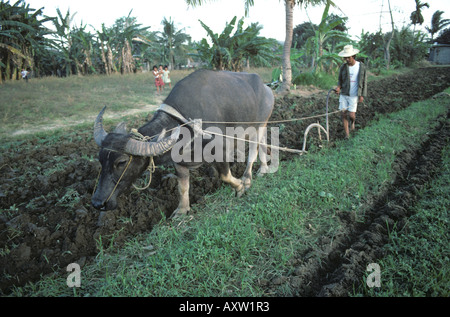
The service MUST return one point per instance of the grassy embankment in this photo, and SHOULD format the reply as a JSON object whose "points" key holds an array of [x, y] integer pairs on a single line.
{"points": [[234, 247]]}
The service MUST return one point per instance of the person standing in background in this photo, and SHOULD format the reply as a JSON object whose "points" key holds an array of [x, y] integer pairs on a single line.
{"points": [[158, 79], [166, 77], [24, 74]]}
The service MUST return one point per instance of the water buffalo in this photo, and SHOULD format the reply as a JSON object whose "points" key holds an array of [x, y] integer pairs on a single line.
{"points": [[222, 100]]}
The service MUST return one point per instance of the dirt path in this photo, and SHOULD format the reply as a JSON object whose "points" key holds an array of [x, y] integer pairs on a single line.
{"points": [[45, 190]]}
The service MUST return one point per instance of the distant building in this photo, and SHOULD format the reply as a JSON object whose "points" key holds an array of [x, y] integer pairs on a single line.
{"points": [[440, 54]]}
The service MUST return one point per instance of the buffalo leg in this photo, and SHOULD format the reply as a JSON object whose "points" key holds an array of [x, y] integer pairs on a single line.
{"points": [[255, 143], [263, 151], [227, 177], [183, 189]]}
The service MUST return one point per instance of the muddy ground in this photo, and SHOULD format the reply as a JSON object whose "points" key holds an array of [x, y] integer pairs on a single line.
{"points": [[46, 220]]}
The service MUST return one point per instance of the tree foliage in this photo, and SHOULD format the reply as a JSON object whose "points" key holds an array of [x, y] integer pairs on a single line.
{"points": [[124, 47], [406, 49], [437, 23], [416, 16], [173, 43], [22, 37], [229, 50], [444, 37], [128, 46]]}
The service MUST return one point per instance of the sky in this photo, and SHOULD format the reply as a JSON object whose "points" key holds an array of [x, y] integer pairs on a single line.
{"points": [[365, 15]]}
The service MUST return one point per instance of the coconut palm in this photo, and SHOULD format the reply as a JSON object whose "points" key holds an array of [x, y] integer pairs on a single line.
{"points": [[289, 7], [416, 16], [172, 41], [437, 23]]}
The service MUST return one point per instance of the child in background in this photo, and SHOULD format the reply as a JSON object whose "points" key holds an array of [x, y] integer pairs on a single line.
{"points": [[158, 79], [166, 77], [161, 73]]}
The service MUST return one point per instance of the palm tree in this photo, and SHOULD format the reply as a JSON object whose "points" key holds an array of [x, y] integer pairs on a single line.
{"points": [[172, 40], [437, 23], [289, 6], [416, 16]]}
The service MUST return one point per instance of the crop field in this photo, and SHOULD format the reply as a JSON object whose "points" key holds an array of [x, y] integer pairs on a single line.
{"points": [[310, 229]]}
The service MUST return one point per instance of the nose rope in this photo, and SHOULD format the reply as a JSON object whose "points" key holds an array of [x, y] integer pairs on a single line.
{"points": [[120, 178], [96, 181], [151, 168]]}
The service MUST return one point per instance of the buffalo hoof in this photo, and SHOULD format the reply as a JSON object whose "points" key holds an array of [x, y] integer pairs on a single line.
{"points": [[180, 212], [247, 183], [240, 190]]}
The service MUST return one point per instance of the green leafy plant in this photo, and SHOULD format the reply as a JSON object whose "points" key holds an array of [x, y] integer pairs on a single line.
{"points": [[229, 50], [326, 33]]}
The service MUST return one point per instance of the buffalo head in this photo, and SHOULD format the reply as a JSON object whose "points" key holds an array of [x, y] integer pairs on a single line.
{"points": [[123, 159]]}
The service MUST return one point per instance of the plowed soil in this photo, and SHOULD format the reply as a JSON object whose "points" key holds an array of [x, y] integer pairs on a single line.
{"points": [[45, 191]]}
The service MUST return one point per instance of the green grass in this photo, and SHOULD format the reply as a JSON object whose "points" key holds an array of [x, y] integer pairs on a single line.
{"points": [[70, 101], [233, 247], [417, 260], [63, 101], [320, 79]]}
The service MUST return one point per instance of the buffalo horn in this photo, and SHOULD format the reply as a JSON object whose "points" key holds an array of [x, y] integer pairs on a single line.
{"points": [[99, 133], [147, 149]]}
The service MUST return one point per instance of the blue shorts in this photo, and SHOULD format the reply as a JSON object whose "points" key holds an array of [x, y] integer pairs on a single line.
{"points": [[348, 103]]}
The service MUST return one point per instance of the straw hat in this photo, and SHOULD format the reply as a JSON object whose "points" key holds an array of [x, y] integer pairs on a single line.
{"points": [[348, 51]]}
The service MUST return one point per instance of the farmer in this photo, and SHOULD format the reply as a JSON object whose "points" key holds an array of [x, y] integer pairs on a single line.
{"points": [[352, 86]]}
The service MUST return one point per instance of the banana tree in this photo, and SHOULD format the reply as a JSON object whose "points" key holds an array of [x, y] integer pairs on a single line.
{"points": [[229, 51], [220, 56], [104, 38], [289, 9], [83, 50], [325, 32], [121, 34], [63, 31], [21, 36]]}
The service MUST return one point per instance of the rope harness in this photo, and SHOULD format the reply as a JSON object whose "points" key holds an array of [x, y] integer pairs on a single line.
{"points": [[196, 126], [150, 168]]}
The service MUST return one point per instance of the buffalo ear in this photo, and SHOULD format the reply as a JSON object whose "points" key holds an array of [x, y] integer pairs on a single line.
{"points": [[121, 128]]}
